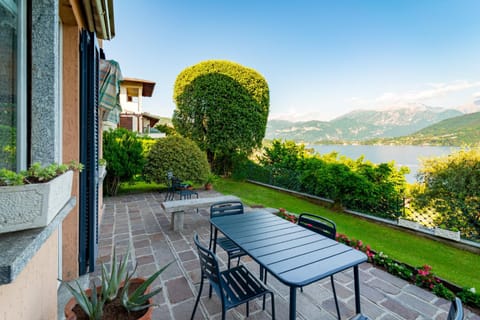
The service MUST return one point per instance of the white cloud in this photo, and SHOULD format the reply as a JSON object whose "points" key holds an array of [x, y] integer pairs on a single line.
{"points": [[295, 116], [432, 91]]}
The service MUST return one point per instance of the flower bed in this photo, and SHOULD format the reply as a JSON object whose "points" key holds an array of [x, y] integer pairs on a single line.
{"points": [[420, 276]]}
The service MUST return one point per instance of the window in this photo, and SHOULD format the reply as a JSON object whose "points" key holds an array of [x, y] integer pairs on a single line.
{"points": [[12, 84]]}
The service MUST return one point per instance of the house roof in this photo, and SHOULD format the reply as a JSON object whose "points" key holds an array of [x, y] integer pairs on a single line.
{"points": [[147, 85], [151, 116], [96, 16]]}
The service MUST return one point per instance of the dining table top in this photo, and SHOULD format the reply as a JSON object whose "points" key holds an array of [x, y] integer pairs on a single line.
{"points": [[295, 255]]}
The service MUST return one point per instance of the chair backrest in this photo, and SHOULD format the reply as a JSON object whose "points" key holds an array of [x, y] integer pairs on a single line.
{"points": [[226, 208], [456, 310], [320, 225], [177, 183], [170, 179], [208, 264]]}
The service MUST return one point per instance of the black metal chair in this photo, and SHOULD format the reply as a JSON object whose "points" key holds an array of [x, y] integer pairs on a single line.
{"points": [[326, 228], [234, 286], [170, 195], [220, 209], [176, 186], [456, 310]]}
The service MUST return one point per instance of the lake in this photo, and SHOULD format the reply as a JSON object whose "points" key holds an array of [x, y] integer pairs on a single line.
{"points": [[402, 155]]}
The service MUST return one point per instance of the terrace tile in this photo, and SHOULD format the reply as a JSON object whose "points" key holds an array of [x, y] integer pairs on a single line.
{"points": [[138, 221]]}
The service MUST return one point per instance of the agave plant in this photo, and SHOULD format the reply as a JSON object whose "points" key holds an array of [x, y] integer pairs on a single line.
{"points": [[92, 306], [138, 299], [115, 285], [111, 280]]}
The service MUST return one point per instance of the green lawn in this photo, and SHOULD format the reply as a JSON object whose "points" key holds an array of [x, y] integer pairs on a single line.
{"points": [[139, 187], [455, 265]]}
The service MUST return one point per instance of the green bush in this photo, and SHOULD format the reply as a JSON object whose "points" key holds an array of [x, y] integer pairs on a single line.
{"points": [[179, 155], [123, 151], [442, 291], [166, 128], [223, 107], [450, 185], [355, 184], [470, 296]]}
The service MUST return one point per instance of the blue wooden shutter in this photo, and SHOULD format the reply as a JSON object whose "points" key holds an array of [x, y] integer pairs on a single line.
{"points": [[88, 203]]}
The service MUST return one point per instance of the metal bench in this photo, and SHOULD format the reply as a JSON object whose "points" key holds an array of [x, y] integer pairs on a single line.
{"points": [[177, 208]]}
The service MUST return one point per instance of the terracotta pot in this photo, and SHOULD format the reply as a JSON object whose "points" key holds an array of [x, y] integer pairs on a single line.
{"points": [[70, 314], [208, 186]]}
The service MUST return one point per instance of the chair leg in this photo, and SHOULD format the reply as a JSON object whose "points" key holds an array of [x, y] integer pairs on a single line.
{"points": [[301, 289], [273, 306], [335, 297], [248, 311], [238, 261], [228, 264], [198, 298]]}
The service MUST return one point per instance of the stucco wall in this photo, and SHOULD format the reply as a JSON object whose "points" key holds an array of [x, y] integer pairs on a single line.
{"points": [[127, 106], [71, 149], [33, 294]]}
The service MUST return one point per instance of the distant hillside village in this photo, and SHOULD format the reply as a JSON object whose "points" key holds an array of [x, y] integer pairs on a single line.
{"points": [[127, 111]]}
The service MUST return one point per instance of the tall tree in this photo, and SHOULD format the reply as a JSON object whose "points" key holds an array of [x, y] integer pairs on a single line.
{"points": [[223, 107]]}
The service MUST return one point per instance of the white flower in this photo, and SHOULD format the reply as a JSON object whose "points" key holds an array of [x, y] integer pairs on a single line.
{"points": [[472, 290]]}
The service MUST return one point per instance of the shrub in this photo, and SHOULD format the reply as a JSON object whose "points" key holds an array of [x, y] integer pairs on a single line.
{"points": [[442, 291], [166, 128], [178, 155], [123, 151], [450, 185], [470, 296], [223, 107], [355, 184]]}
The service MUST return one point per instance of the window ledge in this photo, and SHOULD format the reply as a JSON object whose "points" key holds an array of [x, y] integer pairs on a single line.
{"points": [[18, 248]]}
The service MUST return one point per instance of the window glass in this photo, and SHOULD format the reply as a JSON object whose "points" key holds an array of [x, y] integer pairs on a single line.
{"points": [[8, 83]]}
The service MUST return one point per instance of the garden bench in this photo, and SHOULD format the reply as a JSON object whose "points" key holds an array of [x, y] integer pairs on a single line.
{"points": [[178, 207]]}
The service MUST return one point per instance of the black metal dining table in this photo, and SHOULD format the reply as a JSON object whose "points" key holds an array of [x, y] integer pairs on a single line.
{"points": [[295, 255]]}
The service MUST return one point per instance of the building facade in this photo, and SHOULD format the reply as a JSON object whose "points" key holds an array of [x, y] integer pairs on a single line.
{"points": [[49, 53]]}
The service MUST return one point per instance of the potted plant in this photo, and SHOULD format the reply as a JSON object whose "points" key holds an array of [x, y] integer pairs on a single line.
{"points": [[187, 184], [120, 296], [211, 178], [102, 168], [32, 198]]}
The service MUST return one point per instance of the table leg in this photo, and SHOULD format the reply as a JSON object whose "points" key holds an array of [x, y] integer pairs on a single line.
{"points": [[215, 235], [293, 303], [357, 290]]}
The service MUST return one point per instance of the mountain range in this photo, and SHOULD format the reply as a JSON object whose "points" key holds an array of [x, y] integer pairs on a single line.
{"points": [[457, 131], [360, 125]]}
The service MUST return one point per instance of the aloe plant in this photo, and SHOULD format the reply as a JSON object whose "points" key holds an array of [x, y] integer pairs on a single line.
{"points": [[111, 280], [138, 299], [92, 306], [113, 288]]}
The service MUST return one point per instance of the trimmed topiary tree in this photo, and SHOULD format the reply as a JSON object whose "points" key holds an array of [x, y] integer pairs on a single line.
{"points": [[179, 155], [223, 107]]}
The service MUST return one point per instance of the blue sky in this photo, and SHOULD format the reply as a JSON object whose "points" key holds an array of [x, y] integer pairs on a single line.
{"points": [[321, 59]]}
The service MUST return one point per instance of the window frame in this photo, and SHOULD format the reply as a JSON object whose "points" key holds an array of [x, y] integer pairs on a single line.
{"points": [[22, 86]]}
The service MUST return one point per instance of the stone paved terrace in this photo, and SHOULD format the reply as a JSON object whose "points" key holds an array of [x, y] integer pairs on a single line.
{"points": [[139, 221]]}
